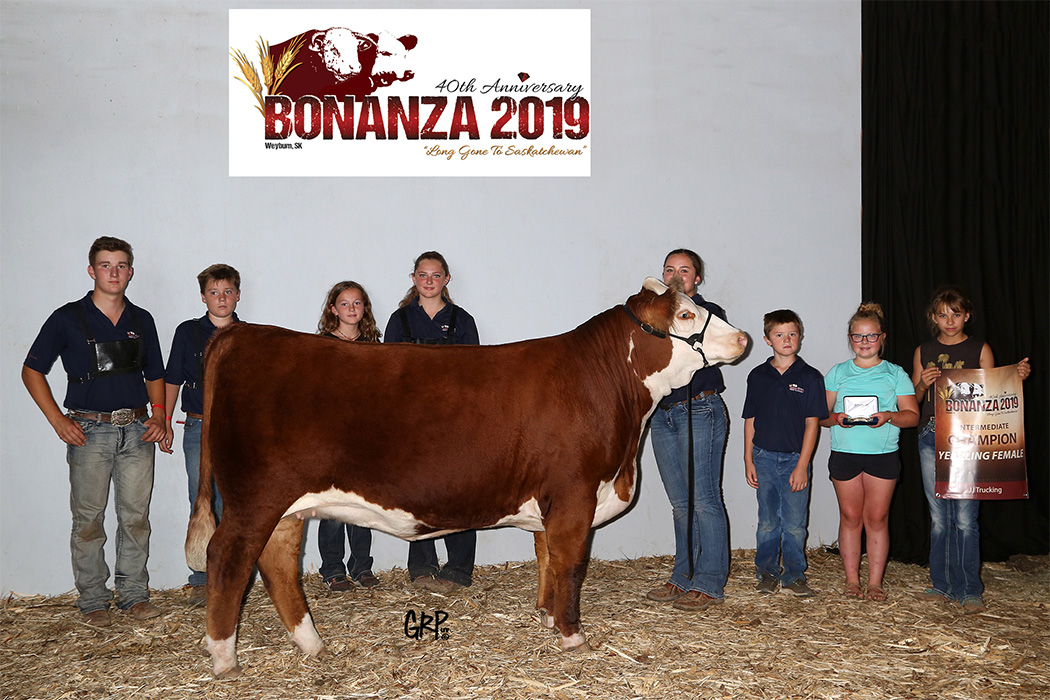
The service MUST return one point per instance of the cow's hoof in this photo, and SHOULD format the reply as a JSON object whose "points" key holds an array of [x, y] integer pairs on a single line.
{"points": [[228, 673], [579, 647], [546, 620], [576, 642]]}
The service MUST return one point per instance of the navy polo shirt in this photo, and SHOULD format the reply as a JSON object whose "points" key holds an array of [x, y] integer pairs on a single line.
{"points": [[62, 335], [421, 326], [780, 404], [707, 379], [184, 364]]}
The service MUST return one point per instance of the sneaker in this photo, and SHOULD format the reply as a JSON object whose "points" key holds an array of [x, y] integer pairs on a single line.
{"points": [[367, 580], [766, 584], [144, 610], [696, 601], [665, 593], [973, 604], [799, 588], [338, 584], [98, 618], [436, 585]]}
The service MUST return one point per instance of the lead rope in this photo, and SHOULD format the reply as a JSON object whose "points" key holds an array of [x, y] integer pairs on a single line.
{"points": [[695, 341], [692, 487]]}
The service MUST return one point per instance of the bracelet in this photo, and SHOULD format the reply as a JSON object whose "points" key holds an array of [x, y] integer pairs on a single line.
{"points": [[158, 405], [168, 418]]}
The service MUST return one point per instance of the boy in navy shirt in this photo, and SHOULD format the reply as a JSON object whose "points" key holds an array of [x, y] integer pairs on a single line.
{"points": [[220, 291], [111, 355], [782, 412]]}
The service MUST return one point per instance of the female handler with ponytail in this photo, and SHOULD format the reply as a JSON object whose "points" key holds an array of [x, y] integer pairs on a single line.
{"points": [[427, 316]]}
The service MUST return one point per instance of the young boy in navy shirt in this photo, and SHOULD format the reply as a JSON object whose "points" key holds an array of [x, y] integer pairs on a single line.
{"points": [[112, 359], [220, 287], [782, 412]]}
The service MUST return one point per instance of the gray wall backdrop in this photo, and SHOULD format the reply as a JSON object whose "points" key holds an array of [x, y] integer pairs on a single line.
{"points": [[729, 127]]}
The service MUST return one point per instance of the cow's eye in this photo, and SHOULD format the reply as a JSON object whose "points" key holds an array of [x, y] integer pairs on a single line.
{"points": [[685, 315]]}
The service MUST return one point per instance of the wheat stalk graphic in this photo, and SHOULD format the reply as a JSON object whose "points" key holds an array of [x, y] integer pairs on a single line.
{"points": [[272, 74]]}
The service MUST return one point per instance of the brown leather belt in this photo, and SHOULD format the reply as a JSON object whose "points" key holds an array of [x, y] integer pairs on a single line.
{"points": [[702, 395], [191, 414], [119, 418]]}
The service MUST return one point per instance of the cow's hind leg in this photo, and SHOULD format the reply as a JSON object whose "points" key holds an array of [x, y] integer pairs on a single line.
{"points": [[545, 588], [567, 553], [230, 561], [279, 569]]}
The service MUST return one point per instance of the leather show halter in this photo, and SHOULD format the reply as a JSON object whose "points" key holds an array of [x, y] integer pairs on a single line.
{"points": [[695, 341]]}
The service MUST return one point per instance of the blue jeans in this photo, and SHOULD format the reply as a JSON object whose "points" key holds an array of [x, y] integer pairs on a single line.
{"points": [[670, 437], [116, 455], [191, 449], [781, 517], [461, 548], [330, 538], [955, 537]]}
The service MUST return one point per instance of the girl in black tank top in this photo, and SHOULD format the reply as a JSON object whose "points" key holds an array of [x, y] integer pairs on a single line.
{"points": [[955, 559]]}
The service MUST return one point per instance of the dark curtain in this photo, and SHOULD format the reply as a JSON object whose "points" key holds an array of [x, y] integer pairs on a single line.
{"points": [[956, 157]]}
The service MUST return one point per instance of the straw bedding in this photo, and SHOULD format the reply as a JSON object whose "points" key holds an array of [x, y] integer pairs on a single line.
{"points": [[491, 645]]}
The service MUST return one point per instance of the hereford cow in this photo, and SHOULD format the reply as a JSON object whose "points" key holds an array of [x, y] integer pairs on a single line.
{"points": [[420, 441], [342, 62]]}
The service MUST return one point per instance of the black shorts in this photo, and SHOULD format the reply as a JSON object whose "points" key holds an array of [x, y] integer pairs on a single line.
{"points": [[844, 466]]}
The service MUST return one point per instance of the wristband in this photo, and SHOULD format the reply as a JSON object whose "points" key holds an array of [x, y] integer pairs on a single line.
{"points": [[160, 406], [168, 418]]}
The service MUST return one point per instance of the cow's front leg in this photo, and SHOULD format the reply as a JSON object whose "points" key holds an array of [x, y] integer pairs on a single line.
{"points": [[279, 569], [545, 587], [567, 553]]}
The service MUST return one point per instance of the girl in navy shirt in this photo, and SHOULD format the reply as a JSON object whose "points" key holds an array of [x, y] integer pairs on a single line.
{"points": [[347, 316], [427, 316]]}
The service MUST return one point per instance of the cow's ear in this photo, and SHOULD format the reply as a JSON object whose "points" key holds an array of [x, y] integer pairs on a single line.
{"points": [[314, 40], [655, 309]]}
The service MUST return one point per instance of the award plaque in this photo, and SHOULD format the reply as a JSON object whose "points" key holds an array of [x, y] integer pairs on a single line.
{"points": [[860, 410]]}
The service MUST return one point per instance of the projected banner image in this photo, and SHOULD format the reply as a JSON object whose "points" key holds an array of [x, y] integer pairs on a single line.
{"points": [[980, 434], [433, 93]]}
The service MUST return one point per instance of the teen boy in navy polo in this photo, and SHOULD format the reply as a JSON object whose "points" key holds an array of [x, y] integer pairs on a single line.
{"points": [[220, 291], [782, 412], [112, 358]]}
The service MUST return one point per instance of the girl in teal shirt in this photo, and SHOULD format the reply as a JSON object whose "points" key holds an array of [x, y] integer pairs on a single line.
{"points": [[864, 463]]}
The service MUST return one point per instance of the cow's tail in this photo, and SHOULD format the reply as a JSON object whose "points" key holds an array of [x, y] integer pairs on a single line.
{"points": [[202, 519], [202, 525]]}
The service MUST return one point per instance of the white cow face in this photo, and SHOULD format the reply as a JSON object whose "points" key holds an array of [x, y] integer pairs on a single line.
{"points": [[721, 343], [340, 49], [392, 56]]}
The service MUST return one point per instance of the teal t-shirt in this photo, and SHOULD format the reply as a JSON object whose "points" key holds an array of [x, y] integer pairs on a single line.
{"points": [[886, 381]]}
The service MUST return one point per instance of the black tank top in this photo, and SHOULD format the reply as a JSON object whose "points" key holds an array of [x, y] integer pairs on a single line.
{"points": [[933, 353]]}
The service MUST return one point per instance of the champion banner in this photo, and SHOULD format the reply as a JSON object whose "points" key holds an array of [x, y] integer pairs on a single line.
{"points": [[410, 92], [980, 434]]}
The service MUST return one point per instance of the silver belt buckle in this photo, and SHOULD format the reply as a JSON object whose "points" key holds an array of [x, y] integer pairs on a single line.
{"points": [[122, 416]]}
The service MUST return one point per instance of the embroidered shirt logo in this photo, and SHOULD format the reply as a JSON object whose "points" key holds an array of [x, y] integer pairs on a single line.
{"points": [[796, 388]]}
